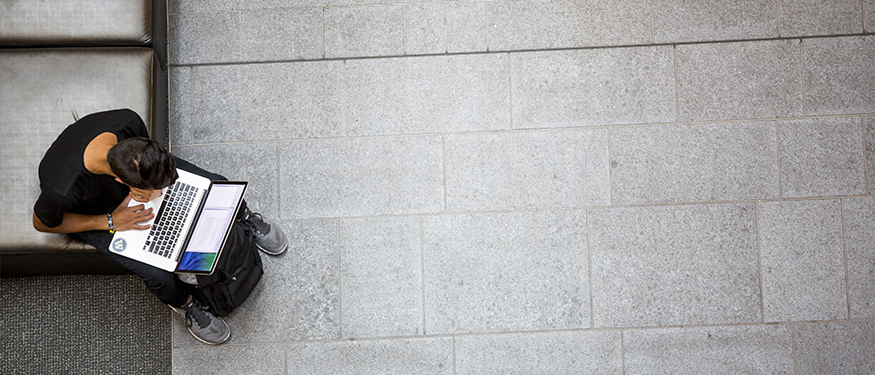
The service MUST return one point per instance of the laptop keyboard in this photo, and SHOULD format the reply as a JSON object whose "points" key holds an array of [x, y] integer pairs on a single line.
{"points": [[175, 211]]}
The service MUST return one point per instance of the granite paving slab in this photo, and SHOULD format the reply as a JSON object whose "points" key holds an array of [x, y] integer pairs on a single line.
{"points": [[694, 163], [802, 256], [361, 177], [563, 352], [835, 348], [593, 87], [403, 356], [428, 94], [677, 21], [859, 240], [505, 272], [674, 265], [746, 80], [811, 17], [525, 170], [822, 157], [759, 349], [839, 75], [381, 273], [533, 24]]}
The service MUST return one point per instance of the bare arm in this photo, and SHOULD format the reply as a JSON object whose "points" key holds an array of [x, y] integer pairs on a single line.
{"points": [[123, 218]]}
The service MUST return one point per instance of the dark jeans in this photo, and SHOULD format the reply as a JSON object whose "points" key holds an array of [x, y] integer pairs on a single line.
{"points": [[165, 285]]}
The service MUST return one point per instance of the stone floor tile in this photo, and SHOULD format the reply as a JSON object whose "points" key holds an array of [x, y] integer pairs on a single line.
{"points": [[179, 110], [526, 170], [381, 277], [253, 162], [859, 240], [199, 38], [674, 265], [231, 5], [814, 17], [835, 348], [181, 6], [466, 27], [839, 75], [268, 102], [425, 29], [364, 31], [803, 265], [403, 356], [533, 24], [230, 359], [745, 80], [678, 21], [765, 349], [428, 94], [361, 177], [505, 272], [593, 87], [869, 135], [822, 157], [694, 163], [298, 298], [575, 352], [291, 34]]}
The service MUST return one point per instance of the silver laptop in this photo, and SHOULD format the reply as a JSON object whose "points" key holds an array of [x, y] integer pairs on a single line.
{"points": [[193, 218]]}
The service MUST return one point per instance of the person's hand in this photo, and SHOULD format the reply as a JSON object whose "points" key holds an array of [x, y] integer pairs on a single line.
{"points": [[126, 218], [144, 196]]}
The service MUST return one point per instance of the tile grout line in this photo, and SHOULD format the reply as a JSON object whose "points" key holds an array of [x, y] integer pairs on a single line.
{"points": [[552, 209], [795, 363], [447, 29], [653, 21], [404, 26], [623, 350], [780, 173], [533, 130], [845, 250], [677, 94], [759, 261], [589, 263], [346, 97], [610, 168], [510, 89], [802, 67], [339, 281], [444, 156], [278, 184], [454, 354], [422, 268], [778, 4], [866, 161]]}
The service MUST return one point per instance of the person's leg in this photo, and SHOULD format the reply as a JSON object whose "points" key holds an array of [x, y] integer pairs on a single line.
{"points": [[164, 285], [269, 238], [167, 286]]}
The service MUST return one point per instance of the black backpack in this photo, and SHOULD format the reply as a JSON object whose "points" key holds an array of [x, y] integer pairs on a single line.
{"points": [[237, 274]]}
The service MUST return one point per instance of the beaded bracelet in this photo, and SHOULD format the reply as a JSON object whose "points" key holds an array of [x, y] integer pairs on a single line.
{"points": [[109, 218]]}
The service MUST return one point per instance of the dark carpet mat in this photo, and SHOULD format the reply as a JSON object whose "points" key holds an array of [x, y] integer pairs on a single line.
{"points": [[82, 325]]}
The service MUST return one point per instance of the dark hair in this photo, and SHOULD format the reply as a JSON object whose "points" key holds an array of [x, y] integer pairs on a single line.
{"points": [[142, 163]]}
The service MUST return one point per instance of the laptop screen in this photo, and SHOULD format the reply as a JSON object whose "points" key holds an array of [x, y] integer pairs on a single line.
{"points": [[211, 228]]}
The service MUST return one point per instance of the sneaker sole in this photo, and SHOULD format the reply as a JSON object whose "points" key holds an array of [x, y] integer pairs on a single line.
{"points": [[207, 342], [268, 252]]}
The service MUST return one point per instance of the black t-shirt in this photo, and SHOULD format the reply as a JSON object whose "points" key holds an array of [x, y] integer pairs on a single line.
{"points": [[65, 184]]}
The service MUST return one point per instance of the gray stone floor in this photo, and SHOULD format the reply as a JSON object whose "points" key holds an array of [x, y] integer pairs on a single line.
{"points": [[553, 186]]}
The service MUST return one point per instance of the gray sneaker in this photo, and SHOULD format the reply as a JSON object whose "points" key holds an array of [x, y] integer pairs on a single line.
{"points": [[269, 238], [202, 324]]}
